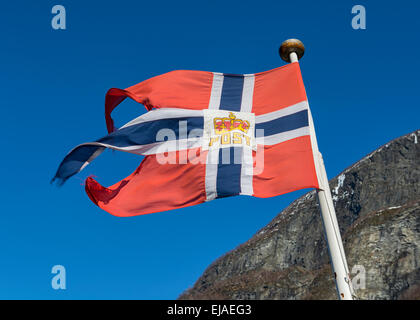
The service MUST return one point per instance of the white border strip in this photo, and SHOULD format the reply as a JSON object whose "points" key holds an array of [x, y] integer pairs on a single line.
{"points": [[247, 94], [146, 149], [151, 148], [247, 170], [213, 154], [164, 113], [211, 173], [282, 112], [216, 91], [283, 136]]}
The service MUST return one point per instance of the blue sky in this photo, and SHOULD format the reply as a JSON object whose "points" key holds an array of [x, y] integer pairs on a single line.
{"points": [[362, 87]]}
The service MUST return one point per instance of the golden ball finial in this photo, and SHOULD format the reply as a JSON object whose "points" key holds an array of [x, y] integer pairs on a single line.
{"points": [[289, 46]]}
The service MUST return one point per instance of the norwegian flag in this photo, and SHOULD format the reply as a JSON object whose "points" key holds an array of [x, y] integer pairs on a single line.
{"points": [[206, 135]]}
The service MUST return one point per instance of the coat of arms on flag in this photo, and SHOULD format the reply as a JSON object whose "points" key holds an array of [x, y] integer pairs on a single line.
{"points": [[206, 135]]}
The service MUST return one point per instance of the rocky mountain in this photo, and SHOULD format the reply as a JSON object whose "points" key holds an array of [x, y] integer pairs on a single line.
{"points": [[378, 209]]}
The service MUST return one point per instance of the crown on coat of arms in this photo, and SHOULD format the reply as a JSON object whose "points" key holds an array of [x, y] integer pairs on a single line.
{"points": [[227, 124]]}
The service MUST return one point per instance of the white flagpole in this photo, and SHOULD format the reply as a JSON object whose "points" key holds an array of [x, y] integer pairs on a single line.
{"points": [[291, 51]]}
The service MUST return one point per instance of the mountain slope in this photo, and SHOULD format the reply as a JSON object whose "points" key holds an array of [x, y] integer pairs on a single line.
{"points": [[377, 203]]}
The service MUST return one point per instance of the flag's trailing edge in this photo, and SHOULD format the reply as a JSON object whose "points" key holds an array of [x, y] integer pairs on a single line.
{"points": [[206, 136]]}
